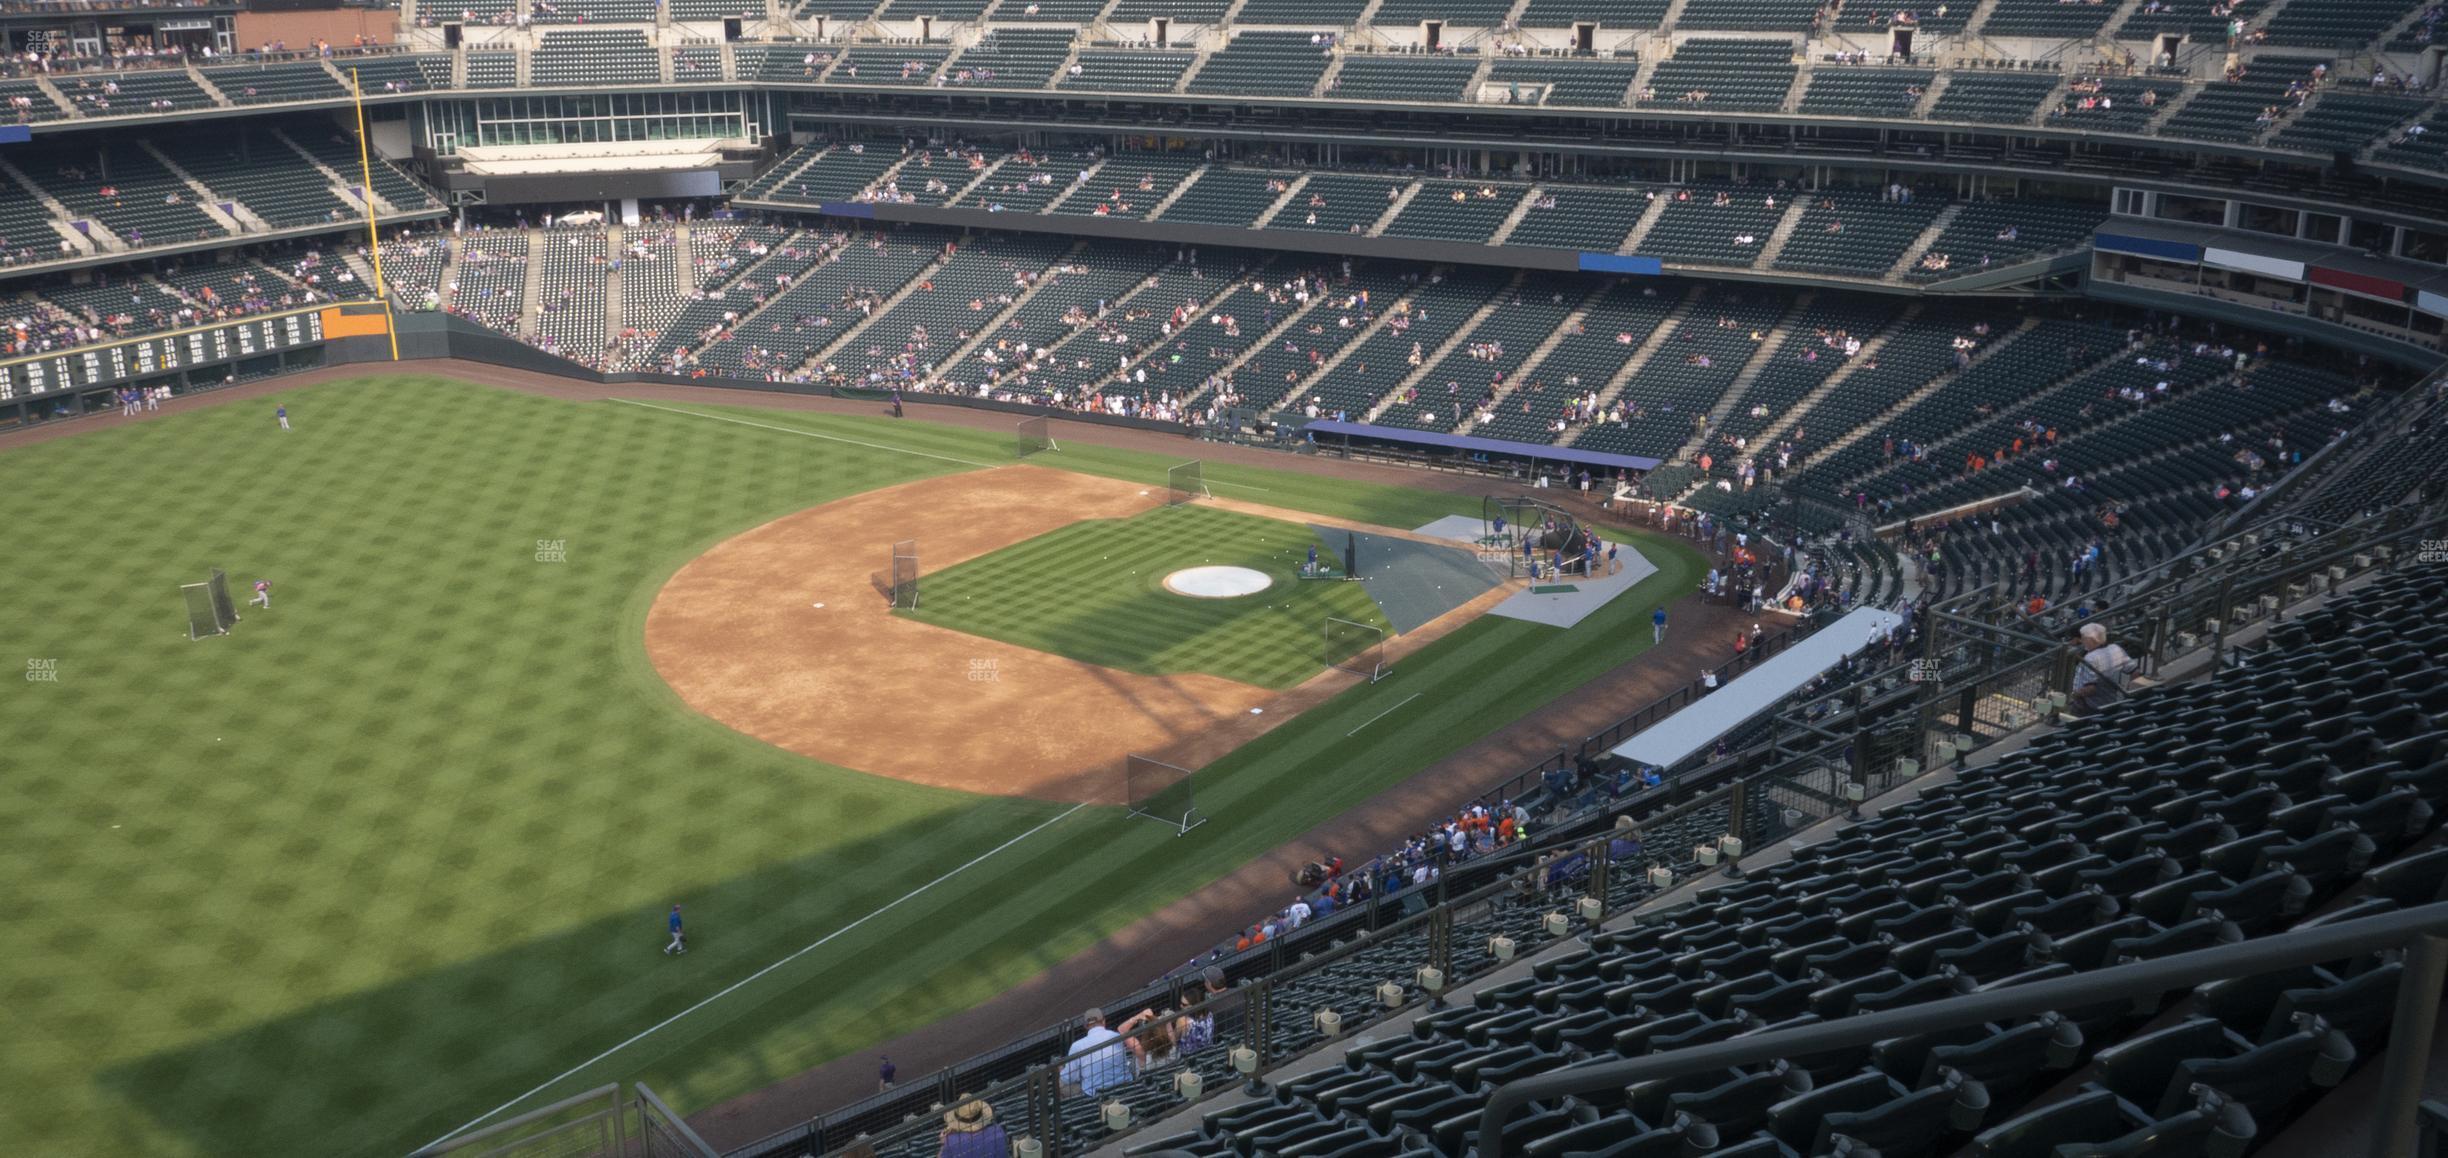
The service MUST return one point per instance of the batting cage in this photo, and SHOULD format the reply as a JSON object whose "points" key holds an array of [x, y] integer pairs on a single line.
{"points": [[1532, 533], [209, 610], [1032, 436], [1356, 648], [1164, 793], [1186, 483], [904, 585]]}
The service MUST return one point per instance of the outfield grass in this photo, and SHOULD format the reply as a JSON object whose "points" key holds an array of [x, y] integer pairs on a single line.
{"points": [[1094, 591], [397, 850]]}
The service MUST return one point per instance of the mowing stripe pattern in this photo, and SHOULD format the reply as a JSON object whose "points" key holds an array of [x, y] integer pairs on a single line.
{"points": [[1094, 591]]}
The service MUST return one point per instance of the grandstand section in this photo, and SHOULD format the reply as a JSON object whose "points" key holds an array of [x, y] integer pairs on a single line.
{"points": [[1894, 549]]}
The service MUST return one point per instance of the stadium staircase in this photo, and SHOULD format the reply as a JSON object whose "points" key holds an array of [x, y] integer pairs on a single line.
{"points": [[1977, 23], [1179, 187], [1795, 207], [892, 172], [614, 238], [57, 97], [2261, 20], [1376, 325], [843, 340], [1479, 76], [2055, 100], [1291, 190], [341, 184], [1648, 220], [97, 238], [1920, 246], [1538, 353], [1944, 446], [1069, 58], [1579, 317], [1454, 341], [977, 179], [2166, 110], [1871, 346], [1206, 52], [2412, 18], [1055, 205], [1672, 17], [2114, 26], [776, 180], [450, 269], [1326, 80], [1929, 94], [531, 302], [1879, 421], [1513, 220], [1395, 208], [237, 219], [214, 91], [358, 265], [1265, 341], [1213, 302], [986, 330], [1738, 391], [1632, 366]]}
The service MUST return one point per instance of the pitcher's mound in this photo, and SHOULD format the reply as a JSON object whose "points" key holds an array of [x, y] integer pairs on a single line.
{"points": [[1217, 582]]}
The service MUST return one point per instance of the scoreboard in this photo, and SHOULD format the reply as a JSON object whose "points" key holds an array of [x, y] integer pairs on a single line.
{"points": [[87, 367]]}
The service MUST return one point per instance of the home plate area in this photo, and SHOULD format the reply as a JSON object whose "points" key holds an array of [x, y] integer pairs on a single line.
{"points": [[1411, 581], [1560, 604]]}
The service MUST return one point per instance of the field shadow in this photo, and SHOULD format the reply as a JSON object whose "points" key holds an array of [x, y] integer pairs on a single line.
{"points": [[357, 1075]]}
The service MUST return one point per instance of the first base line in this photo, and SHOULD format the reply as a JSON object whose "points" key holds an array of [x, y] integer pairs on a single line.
{"points": [[736, 985], [1381, 715]]}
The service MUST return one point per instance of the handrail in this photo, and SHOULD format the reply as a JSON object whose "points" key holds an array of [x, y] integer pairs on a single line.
{"points": [[2424, 927]]}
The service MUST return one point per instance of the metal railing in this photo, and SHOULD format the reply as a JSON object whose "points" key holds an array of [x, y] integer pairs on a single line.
{"points": [[600, 1123], [1558, 872], [2421, 931]]}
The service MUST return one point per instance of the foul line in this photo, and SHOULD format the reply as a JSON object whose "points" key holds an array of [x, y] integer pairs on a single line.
{"points": [[809, 433], [1383, 714], [727, 990]]}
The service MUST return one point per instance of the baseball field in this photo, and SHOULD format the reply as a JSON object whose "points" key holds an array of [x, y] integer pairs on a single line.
{"points": [[391, 859]]}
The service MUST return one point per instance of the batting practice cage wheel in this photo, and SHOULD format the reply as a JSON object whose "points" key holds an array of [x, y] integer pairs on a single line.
{"points": [[1186, 483], [1356, 648], [902, 586], [1164, 793], [209, 610], [1031, 437], [1505, 521]]}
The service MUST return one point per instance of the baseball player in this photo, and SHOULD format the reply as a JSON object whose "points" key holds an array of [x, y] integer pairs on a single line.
{"points": [[679, 941], [263, 595]]}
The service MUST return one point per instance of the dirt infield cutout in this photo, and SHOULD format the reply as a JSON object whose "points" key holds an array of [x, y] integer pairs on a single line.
{"points": [[738, 632]]}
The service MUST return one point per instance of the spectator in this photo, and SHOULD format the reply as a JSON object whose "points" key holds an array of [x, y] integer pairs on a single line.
{"points": [[1097, 1060], [2103, 663], [970, 1131]]}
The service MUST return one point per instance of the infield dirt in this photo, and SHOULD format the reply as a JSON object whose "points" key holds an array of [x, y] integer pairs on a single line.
{"points": [[738, 632]]}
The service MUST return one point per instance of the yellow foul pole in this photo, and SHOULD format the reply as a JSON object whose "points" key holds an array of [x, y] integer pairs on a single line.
{"points": [[365, 193]]}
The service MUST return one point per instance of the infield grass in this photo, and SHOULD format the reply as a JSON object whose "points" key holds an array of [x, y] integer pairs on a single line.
{"points": [[1094, 591], [397, 851]]}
